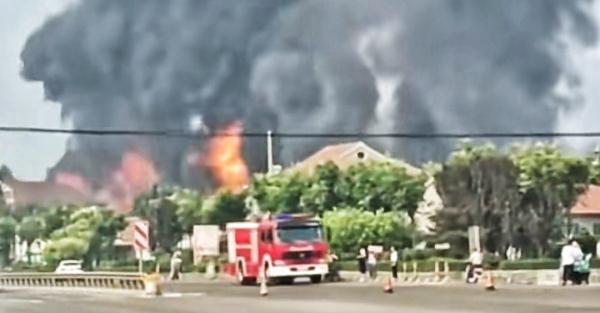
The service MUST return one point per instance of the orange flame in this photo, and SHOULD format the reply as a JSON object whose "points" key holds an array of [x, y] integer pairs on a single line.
{"points": [[135, 175], [138, 172], [73, 181], [224, 158]]}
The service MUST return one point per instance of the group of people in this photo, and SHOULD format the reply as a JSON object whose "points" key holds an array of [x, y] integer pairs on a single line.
{"points": [[575, 266], [367, 263]]}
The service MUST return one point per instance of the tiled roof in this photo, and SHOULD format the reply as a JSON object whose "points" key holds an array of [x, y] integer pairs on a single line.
{"points": [[335, 153], [588, 203], [45, 193]]}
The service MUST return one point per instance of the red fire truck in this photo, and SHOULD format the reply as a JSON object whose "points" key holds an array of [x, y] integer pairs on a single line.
{"points": [[282, 247]]}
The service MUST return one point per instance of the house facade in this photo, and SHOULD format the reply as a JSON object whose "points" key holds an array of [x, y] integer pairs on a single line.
{"points": [[585, 214]]}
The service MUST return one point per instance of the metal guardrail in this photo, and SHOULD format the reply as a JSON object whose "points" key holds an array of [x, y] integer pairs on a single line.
{"points": [[126, 281]]}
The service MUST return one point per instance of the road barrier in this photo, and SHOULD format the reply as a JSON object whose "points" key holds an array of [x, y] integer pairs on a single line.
{"points": [[127, 281]]}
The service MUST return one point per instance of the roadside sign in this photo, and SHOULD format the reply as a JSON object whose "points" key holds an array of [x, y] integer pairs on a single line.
{"points": [[442, 246], [205, 241], [375, 249], [141, 239]]}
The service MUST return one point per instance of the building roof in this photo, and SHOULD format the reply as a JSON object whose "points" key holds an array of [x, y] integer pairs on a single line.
{"points": [[345, 155], [44, 193], [588, 203]]}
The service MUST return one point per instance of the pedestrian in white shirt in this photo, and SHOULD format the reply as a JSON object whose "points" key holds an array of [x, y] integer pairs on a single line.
{"points": [[569, 254], [475, 264], [394, 262]]}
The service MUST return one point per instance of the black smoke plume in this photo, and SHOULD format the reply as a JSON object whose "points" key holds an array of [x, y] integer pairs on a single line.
{"points": [[341, 66]]}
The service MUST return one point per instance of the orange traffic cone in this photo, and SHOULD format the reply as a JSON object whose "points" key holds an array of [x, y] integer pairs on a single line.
{"points": [[489, 282], [388, 287], [263, 288]]}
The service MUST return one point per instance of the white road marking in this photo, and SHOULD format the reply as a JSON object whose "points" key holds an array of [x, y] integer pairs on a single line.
{"points": [[171, 295]]}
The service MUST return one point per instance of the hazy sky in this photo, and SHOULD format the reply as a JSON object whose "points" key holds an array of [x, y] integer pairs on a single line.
{"points": [[22, 103]]}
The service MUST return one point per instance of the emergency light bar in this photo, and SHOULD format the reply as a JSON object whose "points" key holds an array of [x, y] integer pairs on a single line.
{"points": [[293, 217]]}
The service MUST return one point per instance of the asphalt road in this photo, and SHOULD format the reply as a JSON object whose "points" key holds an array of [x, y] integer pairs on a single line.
{"points": [[347, 298]]}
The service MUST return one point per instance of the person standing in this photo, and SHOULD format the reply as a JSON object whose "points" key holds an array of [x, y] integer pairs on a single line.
{"points": [[372, 265], [176, 262], [362, 263], [394, 262], [582, 270], [569, 255]]}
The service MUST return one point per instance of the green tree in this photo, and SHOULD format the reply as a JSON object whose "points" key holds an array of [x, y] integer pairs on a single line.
{"points": [[351, 228], [322, 192], [66, 248], [158, 206], [88, 234], [7, 237], [225, 207], [279, 193], [382, 186], [549, 183], [108, 225], [478, 186], [189, 209], [5, 173], [29, 229]]}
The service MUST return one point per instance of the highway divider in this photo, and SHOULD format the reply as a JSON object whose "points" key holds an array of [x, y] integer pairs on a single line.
{"points": [[106, 280]]}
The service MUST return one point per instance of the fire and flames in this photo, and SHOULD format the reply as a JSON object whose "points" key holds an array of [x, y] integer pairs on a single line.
{"points": [[135, 175], [224, 158], [73, 181]]}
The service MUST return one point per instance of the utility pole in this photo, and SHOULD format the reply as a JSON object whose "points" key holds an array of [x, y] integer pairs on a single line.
{"points": [[269, 152]]}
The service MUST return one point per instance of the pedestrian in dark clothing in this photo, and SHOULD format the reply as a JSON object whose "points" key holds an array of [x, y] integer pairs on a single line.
{"points": [[362, 263]]}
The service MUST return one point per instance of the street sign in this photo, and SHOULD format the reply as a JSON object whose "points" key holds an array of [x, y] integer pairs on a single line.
{"points": [[375, 249], [205, 241], [141, 238], [442, 246]]}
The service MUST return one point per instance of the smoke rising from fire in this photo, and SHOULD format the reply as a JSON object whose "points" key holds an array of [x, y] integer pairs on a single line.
{"points": [[302, 66]]}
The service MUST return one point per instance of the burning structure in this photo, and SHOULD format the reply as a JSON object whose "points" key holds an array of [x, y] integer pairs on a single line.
{"points": [[338, 66]]}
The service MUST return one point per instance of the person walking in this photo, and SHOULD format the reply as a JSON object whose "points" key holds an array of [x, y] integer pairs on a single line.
{"points": [[569, 255], [372, 265], [176, 262], [362, 263], [394, 262], [475, 266]]}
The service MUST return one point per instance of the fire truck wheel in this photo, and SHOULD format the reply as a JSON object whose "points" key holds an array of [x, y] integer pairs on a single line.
{"points": [[316, 279], [242, 280], [286, 280]]}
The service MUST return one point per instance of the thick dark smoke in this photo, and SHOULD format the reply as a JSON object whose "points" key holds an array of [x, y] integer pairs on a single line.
{"points": [[302, 66]]}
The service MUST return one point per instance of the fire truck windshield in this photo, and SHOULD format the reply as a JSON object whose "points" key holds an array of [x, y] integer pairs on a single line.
{"points": [[291, 234]]}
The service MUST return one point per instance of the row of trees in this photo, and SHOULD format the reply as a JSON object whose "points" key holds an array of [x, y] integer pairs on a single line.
{"points": [[72, 232], [520, 197], [373, 192]]}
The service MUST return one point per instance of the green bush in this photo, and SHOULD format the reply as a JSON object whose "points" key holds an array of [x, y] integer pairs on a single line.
{"points": [[422, 265], [530, 264], [418, 254], [587, 243], [350, 228]]}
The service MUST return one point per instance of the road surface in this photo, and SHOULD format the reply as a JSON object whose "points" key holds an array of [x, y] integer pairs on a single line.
{"points": [[347, 298]]}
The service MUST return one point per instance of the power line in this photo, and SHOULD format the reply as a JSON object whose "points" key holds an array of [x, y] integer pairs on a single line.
{"points": [[192, 135]]}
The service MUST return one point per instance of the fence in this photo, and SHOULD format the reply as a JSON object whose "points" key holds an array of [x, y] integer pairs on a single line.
{"points": [[126, 281]]}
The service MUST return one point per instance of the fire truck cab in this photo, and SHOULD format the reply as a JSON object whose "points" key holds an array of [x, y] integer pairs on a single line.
{"points": [[281, 248]]}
